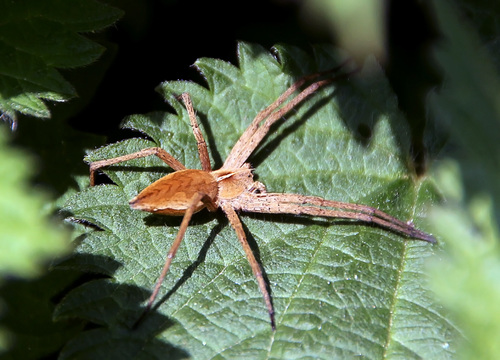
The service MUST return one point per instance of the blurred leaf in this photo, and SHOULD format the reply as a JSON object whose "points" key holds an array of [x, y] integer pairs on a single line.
{"points": [[466, 275], [340, 289], [468, 105], [359, 26], [36, 37], [28, 239]]}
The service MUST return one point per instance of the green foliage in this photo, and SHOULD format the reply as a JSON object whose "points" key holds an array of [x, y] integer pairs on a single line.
{"points": [[28, 239], [36, 39], [468, 104], [359, 26], [340, 289], [466, 277]]}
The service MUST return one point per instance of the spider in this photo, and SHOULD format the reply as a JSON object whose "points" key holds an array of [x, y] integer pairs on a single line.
{"points": [[233, 189]]}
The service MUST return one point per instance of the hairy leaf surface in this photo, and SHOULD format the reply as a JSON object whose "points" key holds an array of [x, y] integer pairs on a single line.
{"points": [[340, 289]]}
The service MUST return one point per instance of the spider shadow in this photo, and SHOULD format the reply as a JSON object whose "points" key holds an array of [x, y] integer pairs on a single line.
{"points": [[306, 220], [144, 169], [263, 152], [199, 218], [255, 249], [359, 117], [155, 220], [222, 221], [102, 178], [164, 170], [210, 139]]}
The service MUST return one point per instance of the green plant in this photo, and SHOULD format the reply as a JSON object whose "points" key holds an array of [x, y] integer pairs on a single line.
{"points": [[338, 288], [38, 38], [332, 281]]}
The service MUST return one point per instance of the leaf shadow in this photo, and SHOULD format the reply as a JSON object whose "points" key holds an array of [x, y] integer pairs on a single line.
{"points": [[107, 311], [27, 309], [263, 152], [113, 335]]}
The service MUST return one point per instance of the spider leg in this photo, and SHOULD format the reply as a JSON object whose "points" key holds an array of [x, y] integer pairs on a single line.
{"points": [[254, 134], [252, 128], [159, 152], [174, 247], [277, 203], [200, 141], [257, 271]]}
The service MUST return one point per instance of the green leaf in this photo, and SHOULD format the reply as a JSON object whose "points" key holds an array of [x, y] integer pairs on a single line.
{"points": [[357, 25], [340, 289], [468, 104], [36, 37], [465, 277], [28, 239]]}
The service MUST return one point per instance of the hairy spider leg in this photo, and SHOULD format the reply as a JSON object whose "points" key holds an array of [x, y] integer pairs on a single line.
{"points": [[157, 151], [253, 135], [200, 141], [174, 247], [282, 203], [254, 264]]}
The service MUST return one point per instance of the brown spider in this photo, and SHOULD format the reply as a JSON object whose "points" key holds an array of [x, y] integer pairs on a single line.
{"points": [[232, 188]]}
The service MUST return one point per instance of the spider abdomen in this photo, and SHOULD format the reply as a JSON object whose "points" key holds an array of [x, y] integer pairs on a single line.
{"points": [[173, 193]]}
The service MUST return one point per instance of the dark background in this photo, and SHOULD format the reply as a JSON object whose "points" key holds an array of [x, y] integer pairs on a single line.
{"points": [[159, 40]]}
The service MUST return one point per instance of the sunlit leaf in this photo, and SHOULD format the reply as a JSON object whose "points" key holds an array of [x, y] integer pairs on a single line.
{"points": [[340, 289]]}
